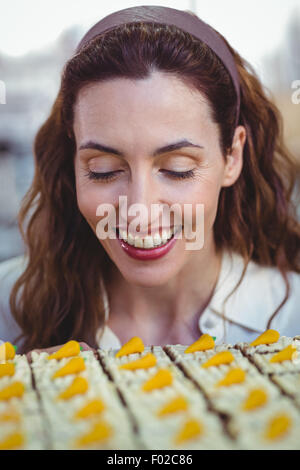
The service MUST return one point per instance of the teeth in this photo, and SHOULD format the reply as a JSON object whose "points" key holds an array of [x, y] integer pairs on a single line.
{"points": [[138, 242], [130, 239], [148, 241], [123, 234], [156, 239], [164, 235]]}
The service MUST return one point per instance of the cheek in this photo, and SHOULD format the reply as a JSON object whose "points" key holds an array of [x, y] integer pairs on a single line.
{"points": [[89, 197], [204, 192], [209, 198]]}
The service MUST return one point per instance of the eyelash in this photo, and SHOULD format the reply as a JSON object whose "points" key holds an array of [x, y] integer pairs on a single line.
{"points": [[101, 176], [180, 175]]}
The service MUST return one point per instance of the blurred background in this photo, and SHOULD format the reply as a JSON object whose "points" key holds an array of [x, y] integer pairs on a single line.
{"points": [[36, 39]]}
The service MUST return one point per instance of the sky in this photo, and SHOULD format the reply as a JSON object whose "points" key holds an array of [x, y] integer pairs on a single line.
{"points": [[253, 27]]}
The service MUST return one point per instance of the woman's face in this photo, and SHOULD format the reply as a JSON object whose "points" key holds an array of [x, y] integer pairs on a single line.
{"points": [[134, 120]]}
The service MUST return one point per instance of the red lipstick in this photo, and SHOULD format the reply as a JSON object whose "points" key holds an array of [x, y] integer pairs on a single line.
{"points": [[147, 254]]}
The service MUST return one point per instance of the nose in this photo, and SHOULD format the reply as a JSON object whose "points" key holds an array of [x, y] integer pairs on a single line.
{"points": [[143, 203]]}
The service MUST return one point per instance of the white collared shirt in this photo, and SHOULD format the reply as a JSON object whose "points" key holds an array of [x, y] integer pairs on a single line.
{"points": [[248, 310], [243, 317]]}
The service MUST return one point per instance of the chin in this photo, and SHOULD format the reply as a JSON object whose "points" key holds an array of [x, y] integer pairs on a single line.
{"points": [[152, 278]]}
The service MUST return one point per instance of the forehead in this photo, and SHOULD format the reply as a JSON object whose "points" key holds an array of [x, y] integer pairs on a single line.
{"points": [[127, 108]]}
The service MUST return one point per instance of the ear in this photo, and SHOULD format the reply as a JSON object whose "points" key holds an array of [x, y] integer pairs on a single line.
{"points": [[234, 160]]}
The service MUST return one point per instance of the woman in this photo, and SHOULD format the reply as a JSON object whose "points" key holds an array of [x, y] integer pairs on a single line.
{"points": [[149, 111]]}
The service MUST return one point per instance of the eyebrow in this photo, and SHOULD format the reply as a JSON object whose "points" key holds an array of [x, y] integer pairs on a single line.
{"points": [[166, 148]]}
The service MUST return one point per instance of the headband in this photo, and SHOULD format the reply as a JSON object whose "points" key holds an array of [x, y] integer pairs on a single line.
{"points": [[184, 20]]}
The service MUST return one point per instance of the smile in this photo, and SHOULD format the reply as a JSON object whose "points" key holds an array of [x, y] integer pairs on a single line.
{"points": [[148, 247]]}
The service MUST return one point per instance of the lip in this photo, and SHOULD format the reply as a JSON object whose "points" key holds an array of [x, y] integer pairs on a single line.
{"points": [[147, 254]]}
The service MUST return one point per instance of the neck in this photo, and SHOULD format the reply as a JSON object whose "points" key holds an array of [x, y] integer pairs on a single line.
{"points": [[168, 312]]}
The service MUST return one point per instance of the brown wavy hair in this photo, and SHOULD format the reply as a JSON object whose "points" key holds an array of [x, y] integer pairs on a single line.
{"points": [[59, 296]]}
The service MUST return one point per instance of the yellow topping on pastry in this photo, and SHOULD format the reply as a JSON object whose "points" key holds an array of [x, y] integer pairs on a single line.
{"points": [[176, 404], [268, 337], [71, 348], [278, 427], [77, 387], [15, 389], [233, 376], [98, 433], [134, 345], [191, 428], [9, 415], [7, 351], [161, 379], [8, 368], [73, 366], [12, 441], [223, 357], [202, 344], [255, 399], [92, 408], [287, 354], [149, 360]]}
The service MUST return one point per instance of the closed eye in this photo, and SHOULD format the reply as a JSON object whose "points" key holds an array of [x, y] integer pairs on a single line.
{"points": [[179, 174], [110, 175]]}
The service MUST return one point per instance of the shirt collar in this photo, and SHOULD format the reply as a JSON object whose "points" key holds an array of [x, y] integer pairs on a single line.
{"points": [[252, 304]]}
